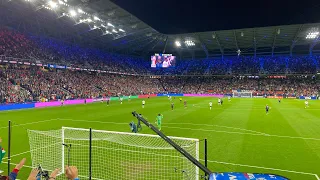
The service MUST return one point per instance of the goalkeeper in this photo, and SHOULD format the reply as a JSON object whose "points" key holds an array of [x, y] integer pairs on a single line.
{"points": [[159, 121]]}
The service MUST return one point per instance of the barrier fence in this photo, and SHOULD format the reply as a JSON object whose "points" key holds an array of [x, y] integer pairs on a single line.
{"points": [[7, 107]]}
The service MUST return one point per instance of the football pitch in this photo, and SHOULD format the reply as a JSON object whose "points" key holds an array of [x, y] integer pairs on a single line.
{"points": [[241, 136]]}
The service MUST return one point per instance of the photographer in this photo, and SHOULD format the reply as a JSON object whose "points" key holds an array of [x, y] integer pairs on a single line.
{"points": [[13, 175]]}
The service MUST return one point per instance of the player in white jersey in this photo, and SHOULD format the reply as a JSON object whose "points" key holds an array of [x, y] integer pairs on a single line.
{"points": [[219, 101], [121, 99], [210, 105], [306, 104], [129, 98], [143, 103], [229, 98]]}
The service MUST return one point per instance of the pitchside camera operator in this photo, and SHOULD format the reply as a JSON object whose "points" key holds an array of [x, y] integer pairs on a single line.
{"points": [[71, 172]]}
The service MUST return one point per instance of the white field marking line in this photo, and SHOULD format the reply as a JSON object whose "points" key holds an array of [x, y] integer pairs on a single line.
{"points": [[29, 123], [261, 167], [228, 127], [31, 151], [102, 122], [228, 132], [317, 176], [16, 164]]}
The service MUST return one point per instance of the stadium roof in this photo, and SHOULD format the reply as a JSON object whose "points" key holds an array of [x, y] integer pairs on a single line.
{"points": [[137, 38]]}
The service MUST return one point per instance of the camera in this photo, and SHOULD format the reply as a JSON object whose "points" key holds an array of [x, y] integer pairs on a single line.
{"points": [[43, 173]]}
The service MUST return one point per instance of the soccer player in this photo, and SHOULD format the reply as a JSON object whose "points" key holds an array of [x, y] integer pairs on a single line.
{"points": [[172, 106], [229, 98], [267, 109], [62, 102], [121, 99], [143, 103], [3, 152], [210, 105], [108, 101], [219, 101], [85, 101], [129, 98], [185, 104], [159, 121], [133, 127], [180, 100], [306, 103], [279, 100]]}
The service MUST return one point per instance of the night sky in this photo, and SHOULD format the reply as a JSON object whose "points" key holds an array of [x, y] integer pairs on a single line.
{"points": [[186, 16]]}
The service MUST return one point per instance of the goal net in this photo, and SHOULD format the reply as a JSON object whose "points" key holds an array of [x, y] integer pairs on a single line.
{"points": [[115, 155], [246, 94]]}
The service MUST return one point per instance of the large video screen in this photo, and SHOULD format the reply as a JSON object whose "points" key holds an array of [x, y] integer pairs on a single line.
{"points": [[163, 61]]}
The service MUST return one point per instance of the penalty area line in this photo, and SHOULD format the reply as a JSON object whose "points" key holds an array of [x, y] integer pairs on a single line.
{"points": [[36, 122], [209, 130]]}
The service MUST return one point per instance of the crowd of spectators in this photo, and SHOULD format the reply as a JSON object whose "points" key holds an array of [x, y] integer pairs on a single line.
{"points": [[43, 49], [20, 83], [23, 83]]}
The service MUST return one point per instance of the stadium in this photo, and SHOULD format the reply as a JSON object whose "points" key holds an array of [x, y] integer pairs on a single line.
{"points": [[89, 90]]}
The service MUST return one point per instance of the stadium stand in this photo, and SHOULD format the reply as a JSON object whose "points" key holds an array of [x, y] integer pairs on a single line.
{"points": [[22, 83]]}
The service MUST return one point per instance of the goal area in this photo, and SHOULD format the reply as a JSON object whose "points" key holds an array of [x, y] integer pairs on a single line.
{"points": [[113, 155]]}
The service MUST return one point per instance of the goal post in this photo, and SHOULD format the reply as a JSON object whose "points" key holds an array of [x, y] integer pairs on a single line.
{"points": [[115, 155]]}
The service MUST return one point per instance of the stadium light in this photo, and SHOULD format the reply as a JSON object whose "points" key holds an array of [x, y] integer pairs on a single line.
{"points": [[312, 35], [96, 18], [178, 43], [114, 31], [52, 4], [189, 43], [121, 30], [80, 11], [72, 13], [89, 20], [109, 24]]}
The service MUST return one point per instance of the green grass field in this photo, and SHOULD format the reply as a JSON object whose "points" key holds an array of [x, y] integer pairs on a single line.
{"points": [[241, 137]]}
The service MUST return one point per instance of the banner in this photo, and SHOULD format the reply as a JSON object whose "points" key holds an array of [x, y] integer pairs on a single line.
{"points": [[16, 106], [146, 96], [245, 176], [170, 94], [204, 95]]}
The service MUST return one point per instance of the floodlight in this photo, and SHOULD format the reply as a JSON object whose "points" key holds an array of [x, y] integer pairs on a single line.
{"points": [[121, 30], [80, 11], [89, 20], [189, 43], [96, 18], [114, 31], [52, 4], [109, 24], [178, 43], [72, 13], [312, 35]]}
